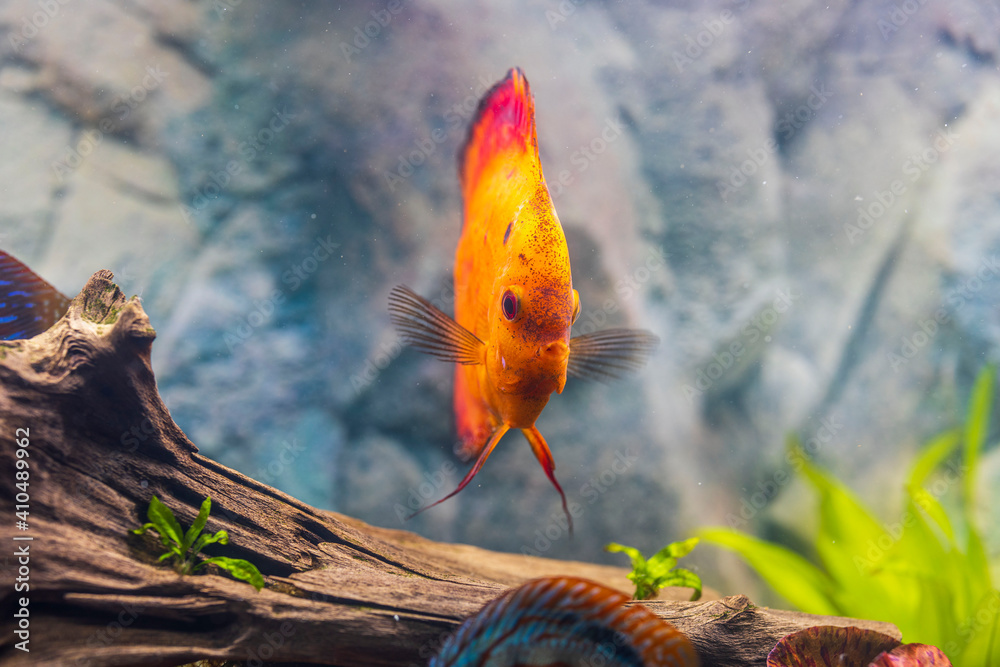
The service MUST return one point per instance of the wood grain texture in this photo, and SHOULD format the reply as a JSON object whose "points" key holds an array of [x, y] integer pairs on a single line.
{"points": [[339, 592]]}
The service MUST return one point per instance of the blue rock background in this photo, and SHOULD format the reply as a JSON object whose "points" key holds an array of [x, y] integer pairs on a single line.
{"points": [[800, 198]]}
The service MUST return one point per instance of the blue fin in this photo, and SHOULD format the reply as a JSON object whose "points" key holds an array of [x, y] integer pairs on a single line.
{"points": [[28, 304]]}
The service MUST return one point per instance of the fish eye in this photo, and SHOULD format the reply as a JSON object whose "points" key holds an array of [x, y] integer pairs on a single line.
{"points": [[509, 305]]}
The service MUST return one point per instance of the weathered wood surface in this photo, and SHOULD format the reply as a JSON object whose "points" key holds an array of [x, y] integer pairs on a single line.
{"points": [[339, 592]]}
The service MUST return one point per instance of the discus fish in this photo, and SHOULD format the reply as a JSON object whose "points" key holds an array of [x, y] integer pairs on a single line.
{"points": [[565, 621], [28, 304], [514, 296]]}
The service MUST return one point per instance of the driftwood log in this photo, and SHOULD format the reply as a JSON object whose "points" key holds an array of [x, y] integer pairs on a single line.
{"points": [[339, 592]]}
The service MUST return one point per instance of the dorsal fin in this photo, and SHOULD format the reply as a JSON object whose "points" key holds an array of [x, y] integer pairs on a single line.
{"points": [[502, 145], [28, 304]]}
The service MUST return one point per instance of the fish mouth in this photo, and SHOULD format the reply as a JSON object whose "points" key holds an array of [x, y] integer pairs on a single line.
{"points": [[536, 376], [554, 356], [556, 351]]}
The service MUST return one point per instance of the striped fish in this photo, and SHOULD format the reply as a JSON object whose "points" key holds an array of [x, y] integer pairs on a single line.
{"points": [[565, 622], [28, 304]]}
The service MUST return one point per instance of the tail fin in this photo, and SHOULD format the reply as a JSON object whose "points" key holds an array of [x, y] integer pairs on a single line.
{"points": [[28, 304], [502, 145]]}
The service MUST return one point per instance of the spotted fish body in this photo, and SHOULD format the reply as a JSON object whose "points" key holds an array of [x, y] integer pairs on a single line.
{"points": [[514, 297], [511, 243], [28, 304], [565, 622]]}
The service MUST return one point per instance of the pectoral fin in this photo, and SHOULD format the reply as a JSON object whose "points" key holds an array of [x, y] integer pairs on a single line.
{"points": [[610, 354], [429, 330]]}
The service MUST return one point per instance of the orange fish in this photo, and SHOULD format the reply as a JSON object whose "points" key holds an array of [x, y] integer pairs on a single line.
{"points": [[514, 296]]}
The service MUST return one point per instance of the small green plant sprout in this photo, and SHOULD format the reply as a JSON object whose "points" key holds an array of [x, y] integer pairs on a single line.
{"points": [[661, 570], [185, 546]]}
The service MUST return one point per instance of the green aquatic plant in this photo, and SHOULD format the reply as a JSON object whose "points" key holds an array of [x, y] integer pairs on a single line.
{"points": [[184, 547], [661, 570], [926, 572]]}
